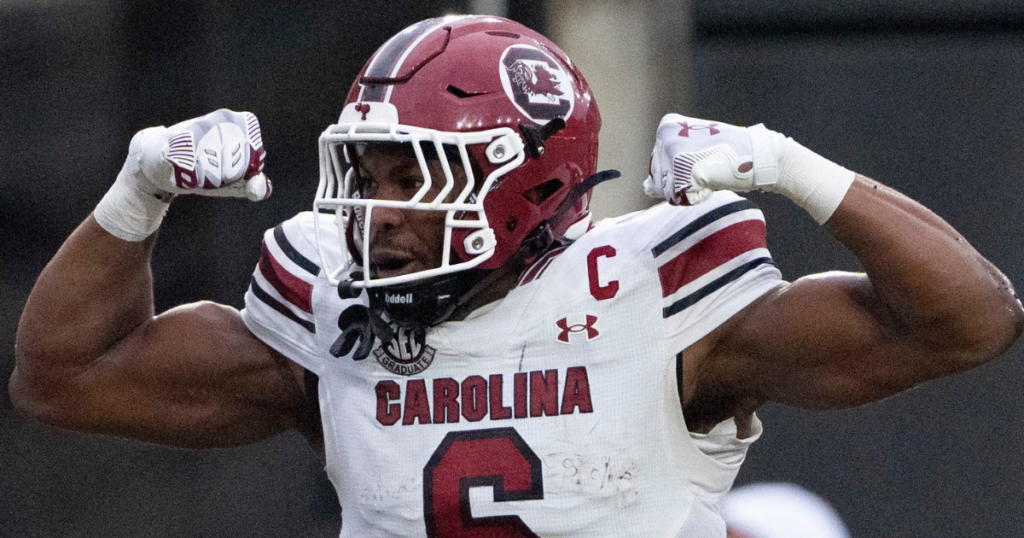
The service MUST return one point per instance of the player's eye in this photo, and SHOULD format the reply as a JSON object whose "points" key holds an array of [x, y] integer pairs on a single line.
{"points": [[367, 186], [410, 182]]}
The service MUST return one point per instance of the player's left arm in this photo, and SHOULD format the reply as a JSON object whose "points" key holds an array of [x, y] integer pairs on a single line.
{"points": [[927, 305]]}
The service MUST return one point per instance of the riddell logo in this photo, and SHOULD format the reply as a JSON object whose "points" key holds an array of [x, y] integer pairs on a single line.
{"points": [[397, 298]]}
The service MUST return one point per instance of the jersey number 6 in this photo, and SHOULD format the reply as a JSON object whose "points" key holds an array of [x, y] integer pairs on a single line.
{"points": [[496, 457]]}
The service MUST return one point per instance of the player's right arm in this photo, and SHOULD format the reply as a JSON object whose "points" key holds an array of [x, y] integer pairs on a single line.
{"points": [[92, 356]]}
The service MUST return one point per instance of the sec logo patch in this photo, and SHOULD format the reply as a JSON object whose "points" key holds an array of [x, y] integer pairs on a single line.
{"points": [[407, 354]]}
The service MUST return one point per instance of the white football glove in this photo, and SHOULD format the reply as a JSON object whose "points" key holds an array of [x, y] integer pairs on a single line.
{"points": [[219, 154], [693, 158]]}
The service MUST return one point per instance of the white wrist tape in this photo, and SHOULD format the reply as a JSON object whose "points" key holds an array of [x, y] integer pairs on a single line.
{"points": [[129, 213], [811, 181]]}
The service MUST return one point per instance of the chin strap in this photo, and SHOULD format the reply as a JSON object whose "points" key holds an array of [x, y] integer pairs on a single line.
{"points": [[543, 236]]}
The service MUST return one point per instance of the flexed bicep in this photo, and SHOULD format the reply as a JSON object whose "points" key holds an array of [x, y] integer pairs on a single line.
{"points": [[927, 306], [823, 341], [193, 376]]}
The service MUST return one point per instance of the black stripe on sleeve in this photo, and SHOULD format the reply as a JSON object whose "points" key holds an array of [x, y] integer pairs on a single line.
{"points": [[311, 384], [702, 221], [294, 255], [714, 286], [262, 295], [679, 378]]}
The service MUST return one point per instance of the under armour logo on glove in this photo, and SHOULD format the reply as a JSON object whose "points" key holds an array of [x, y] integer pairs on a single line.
{"points": [[219, 154], [686, 127], [565, 329]]}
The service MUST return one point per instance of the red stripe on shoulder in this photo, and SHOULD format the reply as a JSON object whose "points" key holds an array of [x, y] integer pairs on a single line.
{"points": [[292, 288], [711, 252]]}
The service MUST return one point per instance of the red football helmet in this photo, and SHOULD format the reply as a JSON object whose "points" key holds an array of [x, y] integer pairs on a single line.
{"points": [[485, 90]]}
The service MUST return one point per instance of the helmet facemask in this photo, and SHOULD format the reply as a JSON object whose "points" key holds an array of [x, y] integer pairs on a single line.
{"points": [[468, 237]]}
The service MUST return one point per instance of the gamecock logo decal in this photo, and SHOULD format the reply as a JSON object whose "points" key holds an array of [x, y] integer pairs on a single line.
{"points": [[536, 83]]}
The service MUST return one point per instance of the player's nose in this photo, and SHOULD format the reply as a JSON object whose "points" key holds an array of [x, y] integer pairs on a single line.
{"points": [[386, 218]]}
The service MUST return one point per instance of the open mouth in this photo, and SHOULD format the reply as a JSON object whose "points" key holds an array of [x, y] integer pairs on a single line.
{"points": [[387, 265]]}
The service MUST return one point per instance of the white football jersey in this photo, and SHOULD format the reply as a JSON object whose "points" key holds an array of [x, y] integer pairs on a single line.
{"points": [[553, 412]]}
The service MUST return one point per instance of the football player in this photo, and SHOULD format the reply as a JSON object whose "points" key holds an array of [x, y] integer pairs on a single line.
{"points": [[486, 359]]}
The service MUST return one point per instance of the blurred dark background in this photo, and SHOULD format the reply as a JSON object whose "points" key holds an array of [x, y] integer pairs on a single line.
{"points": [[923, 96]]}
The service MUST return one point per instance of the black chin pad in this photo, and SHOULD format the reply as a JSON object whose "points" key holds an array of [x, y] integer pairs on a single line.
{"points": [[425, 303]]}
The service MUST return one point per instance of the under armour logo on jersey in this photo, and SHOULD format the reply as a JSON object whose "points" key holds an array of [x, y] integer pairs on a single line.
{"points": [[686, 128], [567, 329], [364, 108]]}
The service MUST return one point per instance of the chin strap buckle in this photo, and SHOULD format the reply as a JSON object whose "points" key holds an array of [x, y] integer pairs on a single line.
{"points": [[535, 137], [538, 242]]}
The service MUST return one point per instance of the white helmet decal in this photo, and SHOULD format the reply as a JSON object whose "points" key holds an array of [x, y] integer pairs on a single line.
{"points": [[536, 83]]}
